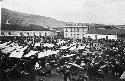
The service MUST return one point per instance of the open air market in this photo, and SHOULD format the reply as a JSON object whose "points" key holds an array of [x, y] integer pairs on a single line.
{"points": [[62, 40], [34, 58]]}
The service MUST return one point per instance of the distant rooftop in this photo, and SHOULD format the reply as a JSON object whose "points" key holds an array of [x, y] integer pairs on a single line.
{"points": [[31, 27], [107, 31]]}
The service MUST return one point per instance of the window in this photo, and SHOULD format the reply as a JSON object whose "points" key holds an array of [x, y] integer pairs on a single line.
{"points": [[66, 35], [66, 30], [71, 29], [77, 29], [2, 33], [83, 35], [9, 33], [28, 33], [106, 37], [74, 29]]}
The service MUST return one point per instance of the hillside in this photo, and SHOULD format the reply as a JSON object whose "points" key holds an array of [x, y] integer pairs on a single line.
{"points": [[24, 19]]}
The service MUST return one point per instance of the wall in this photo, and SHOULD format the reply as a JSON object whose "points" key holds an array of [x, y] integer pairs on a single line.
{"points": [[25, 33], [99, 36], [75, 32]]}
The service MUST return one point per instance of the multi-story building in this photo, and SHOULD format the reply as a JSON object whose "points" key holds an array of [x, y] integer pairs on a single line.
{"points": [[75, 30]]}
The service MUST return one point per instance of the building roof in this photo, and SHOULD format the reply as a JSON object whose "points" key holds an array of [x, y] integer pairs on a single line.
{"points": [[23, 28], [107, 31], [74, 26]]}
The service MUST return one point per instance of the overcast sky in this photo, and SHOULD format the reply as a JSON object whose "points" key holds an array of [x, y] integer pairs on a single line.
{"points": [[91, 11]]}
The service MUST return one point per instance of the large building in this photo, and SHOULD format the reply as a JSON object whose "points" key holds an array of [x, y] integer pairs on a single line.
{"points": [[15, 30], [106, 33], [75, 30]]}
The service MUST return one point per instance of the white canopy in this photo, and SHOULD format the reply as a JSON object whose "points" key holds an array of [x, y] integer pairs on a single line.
{"points": [[47, 53], [73, 48], [48, 45], [72, 44], [8, 49], [123, 76], [4, 44], [75, 65], [18, 53], [64, 47], [81, 47], [84, 53], [69, 55], [31, 53], [60, 42], [37, 44]]}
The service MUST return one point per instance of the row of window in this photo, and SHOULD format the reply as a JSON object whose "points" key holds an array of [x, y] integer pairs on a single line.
{"points": [[9, 33], [76, 30], [74, 34]]}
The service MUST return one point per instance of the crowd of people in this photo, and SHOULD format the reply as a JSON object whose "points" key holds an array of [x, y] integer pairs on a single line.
{"points": [[39, 55]]}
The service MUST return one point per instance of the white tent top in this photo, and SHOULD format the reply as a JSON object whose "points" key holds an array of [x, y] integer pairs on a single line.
{"points": [[61, 41], [69, 55], [18, 53], [8, 49], [64, 47], [73, 44], [37, 44], [4, 44], [81, 47], [31, 53], [48, 45], [73, 48], [123, 76], [47, 53], [75, 65]]}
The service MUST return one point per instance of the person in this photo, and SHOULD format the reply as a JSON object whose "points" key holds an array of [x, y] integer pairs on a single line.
{"points": [[100, 75], [82, 78], [66, 75]]}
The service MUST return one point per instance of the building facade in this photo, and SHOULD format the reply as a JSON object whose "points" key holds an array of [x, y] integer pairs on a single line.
{"points": [[75, 31], [26, 33], [106, 33], [31, 30]]}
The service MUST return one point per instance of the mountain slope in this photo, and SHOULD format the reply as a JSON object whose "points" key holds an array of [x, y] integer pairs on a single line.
{"points": [[19, 18]]}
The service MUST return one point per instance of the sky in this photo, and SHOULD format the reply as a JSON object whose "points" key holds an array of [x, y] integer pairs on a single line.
{"points": [[79, 11]]}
